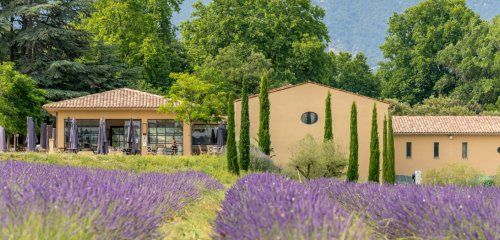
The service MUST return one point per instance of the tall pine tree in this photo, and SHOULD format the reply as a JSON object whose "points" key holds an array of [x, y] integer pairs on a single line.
{"points": [[391, 170], [352, 169], [385, 164], [232, 153], [328, 118], [245, 129], [264, 114], [374, 168]]}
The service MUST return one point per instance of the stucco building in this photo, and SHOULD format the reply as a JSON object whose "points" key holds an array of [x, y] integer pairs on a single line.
{"points": [[298, 110], [433, 142], [117, 107]]}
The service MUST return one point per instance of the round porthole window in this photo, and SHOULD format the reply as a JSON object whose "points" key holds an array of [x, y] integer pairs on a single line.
{"points": [[309, 118], [498, 150]]}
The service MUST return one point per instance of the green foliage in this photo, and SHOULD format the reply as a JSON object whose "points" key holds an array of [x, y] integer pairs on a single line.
{"points": [[453, 174], [244, 144], [414, 41], [374, 167], [312, 159], [473, 65], [232, 152], [308, 61], [284, 31], [19, 98], [264, 115], [232, 65], [434, 106], [41, 37], [328, 135], [390, 170], [385, 156], [352, 74], [142, 35], [261, 162], [192, 99], [352, 170]]}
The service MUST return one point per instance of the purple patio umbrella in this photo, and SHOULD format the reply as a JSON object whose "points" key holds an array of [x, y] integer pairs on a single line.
{"points": [[102, 142], [221, 135], [131, 138], [43, 136], [73, 136], [3, 140], [30, 135]]}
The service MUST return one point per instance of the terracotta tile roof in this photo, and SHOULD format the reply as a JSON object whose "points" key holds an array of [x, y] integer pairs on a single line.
{"points": [[446, 124], [123, 98]]}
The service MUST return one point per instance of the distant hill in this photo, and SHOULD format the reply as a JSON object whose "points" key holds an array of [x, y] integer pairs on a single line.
{"points": [[360, 25]]}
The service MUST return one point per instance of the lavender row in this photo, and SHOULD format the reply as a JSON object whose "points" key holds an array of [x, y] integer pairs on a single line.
{"points": [[427, 212], [268, 206], [124, 205]]}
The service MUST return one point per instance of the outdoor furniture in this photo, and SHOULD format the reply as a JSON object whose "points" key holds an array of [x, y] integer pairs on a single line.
{"points": [[212, 150], [202, 149]]}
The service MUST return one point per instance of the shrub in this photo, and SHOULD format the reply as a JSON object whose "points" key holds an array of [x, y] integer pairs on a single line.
{"points": [[260, 162], [313, 159], [453, 174]]}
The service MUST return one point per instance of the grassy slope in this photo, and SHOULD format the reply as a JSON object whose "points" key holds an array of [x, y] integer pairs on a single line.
{"points": [[194, 221]]}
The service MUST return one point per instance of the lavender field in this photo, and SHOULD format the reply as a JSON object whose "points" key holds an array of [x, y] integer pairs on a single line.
{"points": [[41, 201], [267, 206]]}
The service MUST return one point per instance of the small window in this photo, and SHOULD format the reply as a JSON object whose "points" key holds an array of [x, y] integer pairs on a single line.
{"points": [[464, 150], [498, 150], [408, 150], [309, 118], [436, 150]]}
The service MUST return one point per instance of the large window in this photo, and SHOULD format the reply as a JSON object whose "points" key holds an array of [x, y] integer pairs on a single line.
{"points": [[88, 130], [436, 150], [464, 150], [118, 137], [408, 150], [162, 133], [204, 134]]}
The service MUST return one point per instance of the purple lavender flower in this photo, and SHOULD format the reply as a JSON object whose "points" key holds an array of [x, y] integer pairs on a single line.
{"points": [[127, 205], [268, 206]]}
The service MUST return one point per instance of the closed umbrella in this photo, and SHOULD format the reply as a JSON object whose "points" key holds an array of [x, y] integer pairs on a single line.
{"points": [[131, 138], [43, 136], [102, 142], [73, 136], [30, 135], [3, 140], [221, 135]]}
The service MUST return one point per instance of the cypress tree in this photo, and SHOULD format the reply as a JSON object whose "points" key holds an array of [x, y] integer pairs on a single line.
{"points": [[391, 171], [328, 119], [232, 153], [385, 163], [374, 168], [264, 112], [352, 169], [245, 129]]}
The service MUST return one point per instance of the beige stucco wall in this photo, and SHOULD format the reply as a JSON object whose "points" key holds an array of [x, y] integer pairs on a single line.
{"points": [[287, 129], [137, 114], [482, 152]]}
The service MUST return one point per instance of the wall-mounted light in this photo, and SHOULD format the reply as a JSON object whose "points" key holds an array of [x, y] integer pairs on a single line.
{"points": [[450, 137]]}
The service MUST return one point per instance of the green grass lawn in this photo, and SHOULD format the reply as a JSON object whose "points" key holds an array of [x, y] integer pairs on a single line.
{"points": [[194, 221]]}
